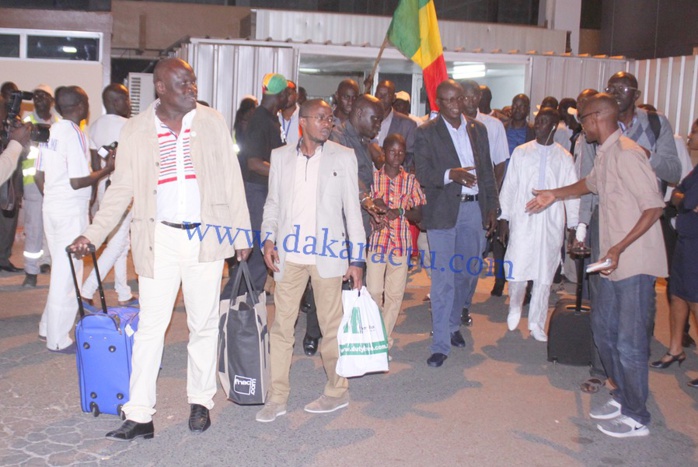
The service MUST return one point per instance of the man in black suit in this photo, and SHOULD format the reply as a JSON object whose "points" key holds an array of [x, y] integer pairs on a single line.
{"points": [[395, 122], [453, 165]]}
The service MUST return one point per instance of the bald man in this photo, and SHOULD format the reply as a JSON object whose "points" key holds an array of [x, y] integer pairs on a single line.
{"points": [[177, 163], [632, 243]]}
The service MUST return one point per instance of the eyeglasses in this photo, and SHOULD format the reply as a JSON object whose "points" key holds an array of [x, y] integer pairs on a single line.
{"points": [[581, 118], [452, 100], [619, 88], [320, 118]]}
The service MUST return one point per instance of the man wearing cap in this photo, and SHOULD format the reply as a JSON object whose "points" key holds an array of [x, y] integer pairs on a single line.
{"points": [[262, 135], [36, 257], [403, 106]]}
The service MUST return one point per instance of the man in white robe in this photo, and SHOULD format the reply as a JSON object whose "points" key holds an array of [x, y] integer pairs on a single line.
{"points": [[533, 251]]}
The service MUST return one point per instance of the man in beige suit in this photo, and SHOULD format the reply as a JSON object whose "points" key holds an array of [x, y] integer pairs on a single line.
{"points": [[176, 161], [311, 185]]}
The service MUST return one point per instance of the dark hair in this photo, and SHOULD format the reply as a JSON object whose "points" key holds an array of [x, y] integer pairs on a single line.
{"points": [[393, 138], [246, 105]]}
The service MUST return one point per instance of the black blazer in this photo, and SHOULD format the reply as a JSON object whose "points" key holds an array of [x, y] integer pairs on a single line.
{"points": [[406, 127], [435, 153]]}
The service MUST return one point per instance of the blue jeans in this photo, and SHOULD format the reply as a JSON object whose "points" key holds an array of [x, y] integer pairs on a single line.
{"points": [[456, 257], [619, 323]]}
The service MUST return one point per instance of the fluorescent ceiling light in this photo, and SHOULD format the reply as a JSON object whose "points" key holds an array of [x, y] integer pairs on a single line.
{"points": [[69, 49], [310, 71], [469, 71]]}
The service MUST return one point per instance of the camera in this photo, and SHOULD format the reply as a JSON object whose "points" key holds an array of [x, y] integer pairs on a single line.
{"points": [[40, 131]]}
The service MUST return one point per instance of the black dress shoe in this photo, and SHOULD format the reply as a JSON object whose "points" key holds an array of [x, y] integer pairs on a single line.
{"points": [[457, 339], [131, 430], [498, 289], [9, 267], [693, 383], [310, 345], [199, 419], [465, 318], [436, 359]]}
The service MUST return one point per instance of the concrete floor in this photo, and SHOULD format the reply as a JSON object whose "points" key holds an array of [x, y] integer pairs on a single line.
{"points": [[496, 402]]}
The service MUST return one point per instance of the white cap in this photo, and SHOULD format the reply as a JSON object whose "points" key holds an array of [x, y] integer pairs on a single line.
{"points": [[46, 88], [402, 95]]}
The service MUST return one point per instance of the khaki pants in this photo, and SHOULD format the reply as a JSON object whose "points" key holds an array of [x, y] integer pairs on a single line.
{"points": [[287, 297], [386, 277]]}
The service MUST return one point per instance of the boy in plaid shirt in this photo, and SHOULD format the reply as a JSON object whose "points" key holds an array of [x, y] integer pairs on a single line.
{"points": [[399, 194]]}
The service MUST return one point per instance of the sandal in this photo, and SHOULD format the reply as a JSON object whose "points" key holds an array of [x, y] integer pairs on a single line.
{"points": [[592, 385]]}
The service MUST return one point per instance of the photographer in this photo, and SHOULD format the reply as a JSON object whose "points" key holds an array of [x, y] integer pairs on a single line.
{"points": [[19, 139]]}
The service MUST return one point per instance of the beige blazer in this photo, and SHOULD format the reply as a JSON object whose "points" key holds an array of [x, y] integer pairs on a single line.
{"points": [[217, 170], [337, 198]]}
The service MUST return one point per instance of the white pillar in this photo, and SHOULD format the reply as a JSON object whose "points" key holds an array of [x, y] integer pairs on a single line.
{"points": [[563, 15]]}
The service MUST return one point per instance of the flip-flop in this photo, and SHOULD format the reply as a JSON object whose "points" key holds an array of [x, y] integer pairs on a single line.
{"points": [[592, 385]]}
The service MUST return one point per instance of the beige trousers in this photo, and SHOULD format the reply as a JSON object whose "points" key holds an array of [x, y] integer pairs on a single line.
{"points": [[386, 277], [287, 298]]}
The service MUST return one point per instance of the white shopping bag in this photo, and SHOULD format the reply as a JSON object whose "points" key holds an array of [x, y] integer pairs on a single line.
{"points": [[363, 343]]}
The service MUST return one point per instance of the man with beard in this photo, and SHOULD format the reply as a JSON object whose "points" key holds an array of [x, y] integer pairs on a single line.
{"points": [[177, 163], [313, 187]]}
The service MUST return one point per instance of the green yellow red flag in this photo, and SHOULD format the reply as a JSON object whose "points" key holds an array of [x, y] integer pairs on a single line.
{"points": [[414, 31]]}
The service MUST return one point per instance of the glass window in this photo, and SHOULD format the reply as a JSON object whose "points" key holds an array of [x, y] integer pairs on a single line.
{"points": [[9, 45], [63, 48]]}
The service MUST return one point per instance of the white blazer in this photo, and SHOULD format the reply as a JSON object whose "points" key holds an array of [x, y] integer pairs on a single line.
{"points": [[337, 198]]}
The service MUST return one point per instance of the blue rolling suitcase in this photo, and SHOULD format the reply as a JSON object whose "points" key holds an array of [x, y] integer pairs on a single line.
{"points": [[104, 341]]}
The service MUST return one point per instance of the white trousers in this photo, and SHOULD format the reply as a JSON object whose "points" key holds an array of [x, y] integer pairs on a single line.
{"points": [[114, 255], [61, 305], [176, 263], [537, 309], [35, 247]]}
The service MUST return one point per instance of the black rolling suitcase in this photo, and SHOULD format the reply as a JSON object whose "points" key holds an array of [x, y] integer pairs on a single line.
{"points": [[569, 333], [104, 339]]}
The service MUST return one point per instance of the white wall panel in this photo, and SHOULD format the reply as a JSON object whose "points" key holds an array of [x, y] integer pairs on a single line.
{"points": [[228, 71], [671, 85]]}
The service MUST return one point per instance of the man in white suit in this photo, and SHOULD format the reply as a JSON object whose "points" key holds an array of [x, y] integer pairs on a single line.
{"points": [[313, 186]]}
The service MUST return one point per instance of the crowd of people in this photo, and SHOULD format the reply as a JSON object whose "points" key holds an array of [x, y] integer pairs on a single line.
{"points": [[332, 190]]}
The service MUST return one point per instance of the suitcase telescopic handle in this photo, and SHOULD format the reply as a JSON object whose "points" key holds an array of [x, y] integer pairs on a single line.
{"points": [[91, 248]]}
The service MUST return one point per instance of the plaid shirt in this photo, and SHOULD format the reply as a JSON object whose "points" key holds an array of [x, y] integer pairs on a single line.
{"points": [[403, 192]]}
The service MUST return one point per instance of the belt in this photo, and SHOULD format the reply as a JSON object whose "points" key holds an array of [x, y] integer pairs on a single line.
{"points": [[183, 226], [466, 198]]}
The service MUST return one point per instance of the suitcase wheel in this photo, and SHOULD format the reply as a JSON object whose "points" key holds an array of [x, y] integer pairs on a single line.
{"points": [[94, 409]]}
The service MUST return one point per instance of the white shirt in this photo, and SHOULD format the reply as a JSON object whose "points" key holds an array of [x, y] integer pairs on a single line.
{"points": [[178, 197], [104, 131], [536, 239], [497, 136], [66, 155], [461, 141], [290, 133], [385, 127], [304, 210]]}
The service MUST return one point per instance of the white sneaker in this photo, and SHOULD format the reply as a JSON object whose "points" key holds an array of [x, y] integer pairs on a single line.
{"points": [[623, 427], [513, 318], [270, 411], [538, 334], [609, 410]]}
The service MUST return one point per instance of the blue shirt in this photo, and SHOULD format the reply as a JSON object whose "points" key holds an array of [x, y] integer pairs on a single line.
{"points": [[515, 137]]}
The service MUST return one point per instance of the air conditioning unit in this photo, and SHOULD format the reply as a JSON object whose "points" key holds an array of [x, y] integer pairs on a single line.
{"points": [[142, 90]]}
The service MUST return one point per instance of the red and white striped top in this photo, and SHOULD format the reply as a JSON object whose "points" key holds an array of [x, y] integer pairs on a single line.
{"points": [[178, 197]]}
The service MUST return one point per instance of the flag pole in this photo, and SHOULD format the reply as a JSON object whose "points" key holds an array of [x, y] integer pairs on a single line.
{"points": [[375, 64]]}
